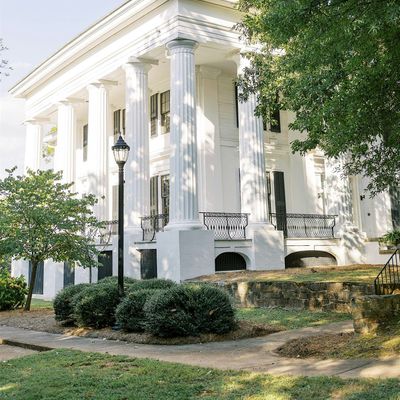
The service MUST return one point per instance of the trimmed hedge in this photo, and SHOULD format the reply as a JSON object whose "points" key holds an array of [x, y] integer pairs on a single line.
{"points": [[130, 313], [12, 291], [95, 305], [188, 310], [63, 303], [151, 284], [114, 280]]}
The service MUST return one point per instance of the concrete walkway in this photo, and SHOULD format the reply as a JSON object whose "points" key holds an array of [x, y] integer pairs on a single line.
{"points": [[255, 354]]}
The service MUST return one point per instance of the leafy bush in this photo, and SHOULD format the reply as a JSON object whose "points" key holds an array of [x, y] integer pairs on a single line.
{"points": [[114, 280], [64, 303], [391, 238], [12, 291], [95, 305], [151, 284], [130, 313], [189, 310]]}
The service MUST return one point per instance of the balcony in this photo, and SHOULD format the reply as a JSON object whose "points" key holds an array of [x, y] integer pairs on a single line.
{"points": [[226, 226], [301, 226]]}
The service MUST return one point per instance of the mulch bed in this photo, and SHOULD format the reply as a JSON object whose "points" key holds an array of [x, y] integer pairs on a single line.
{"points": [[43, 321], [315, 346]]}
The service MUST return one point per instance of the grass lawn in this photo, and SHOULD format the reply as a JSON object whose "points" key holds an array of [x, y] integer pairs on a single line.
{"points": [[37, 304], [290, 319], [67, 374], [352, 273]]}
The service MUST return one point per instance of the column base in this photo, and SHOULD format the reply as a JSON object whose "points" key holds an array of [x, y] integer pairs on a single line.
{"points": [[183, 255], [268, 247]]}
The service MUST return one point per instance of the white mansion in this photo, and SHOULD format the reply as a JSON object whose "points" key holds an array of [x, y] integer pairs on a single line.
{"points": [[208, 187]]}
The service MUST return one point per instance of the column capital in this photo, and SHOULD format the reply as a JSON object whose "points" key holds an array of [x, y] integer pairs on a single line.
{"points": [[181, 45], [36, 121], [208, 72]]}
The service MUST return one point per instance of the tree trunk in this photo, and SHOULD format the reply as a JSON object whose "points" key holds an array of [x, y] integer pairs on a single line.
{"points": [[31, 285]]}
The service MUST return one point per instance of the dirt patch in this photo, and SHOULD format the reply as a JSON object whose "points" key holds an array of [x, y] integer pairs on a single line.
{"points": [[43, 321], [315, 346]]}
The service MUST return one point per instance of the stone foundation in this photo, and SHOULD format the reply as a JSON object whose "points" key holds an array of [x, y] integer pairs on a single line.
{"points": [[371, 313], [326, 296]]}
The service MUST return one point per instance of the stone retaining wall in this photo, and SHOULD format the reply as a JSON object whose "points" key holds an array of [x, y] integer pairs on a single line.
{"points": [[327, 296], [371, 313]]}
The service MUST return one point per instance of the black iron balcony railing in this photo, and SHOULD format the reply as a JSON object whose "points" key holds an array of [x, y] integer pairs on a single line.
{"points": [[152, 224], [388, 279], [304, 225], [226, 226]]}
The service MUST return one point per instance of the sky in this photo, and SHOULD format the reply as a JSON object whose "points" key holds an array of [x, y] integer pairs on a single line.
{"points": [[33, 30]]}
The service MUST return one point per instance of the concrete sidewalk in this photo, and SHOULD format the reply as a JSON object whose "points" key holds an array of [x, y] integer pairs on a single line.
{"points": [[255, 354]]}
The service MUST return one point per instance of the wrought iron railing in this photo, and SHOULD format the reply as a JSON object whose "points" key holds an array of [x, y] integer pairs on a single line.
{"points": [[304, 225], [152, 224], [388, 279], [226, 226]]}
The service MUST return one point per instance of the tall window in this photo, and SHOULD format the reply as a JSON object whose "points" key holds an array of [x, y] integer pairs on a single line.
{"points": [[165, 111], [275, 117], [154, 195], [153, 114], [114, 210], [165, 194], [119, 123], [85, 142]]}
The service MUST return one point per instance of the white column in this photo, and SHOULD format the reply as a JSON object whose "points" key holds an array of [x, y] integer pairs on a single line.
{"points": [[183, 212], [252, 158], [97, 147], [33, 145], [137, 174], [64, 159]]}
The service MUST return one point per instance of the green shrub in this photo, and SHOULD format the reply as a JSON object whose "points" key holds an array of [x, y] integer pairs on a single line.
{"points": [[95, 305], [188, 310], [114, 280], [130, 313], [63, 303], [12, 291], [170, 313], [214, 312], [151, 284], [391, 238]]}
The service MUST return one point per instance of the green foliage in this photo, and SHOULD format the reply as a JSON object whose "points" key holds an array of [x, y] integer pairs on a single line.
{"points": [[64, 303], [188, 310], [40, 218], [130, 312], [392, 237], [12, 291], [336, 64], [152, 284], [95, 305], [114, 280]]}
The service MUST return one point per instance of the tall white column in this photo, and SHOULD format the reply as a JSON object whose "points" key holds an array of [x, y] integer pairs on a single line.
{"points": [[97, 147], [33, 145], [252, 158], [137, 173], [183, 213], [64, 159]]}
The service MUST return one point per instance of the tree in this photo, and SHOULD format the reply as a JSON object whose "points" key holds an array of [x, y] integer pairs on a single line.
{"points": [[336, 64], [3, 62], [40, 218]]}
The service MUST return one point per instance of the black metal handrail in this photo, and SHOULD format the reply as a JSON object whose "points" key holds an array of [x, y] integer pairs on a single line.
{"points": [[388, 279], [304, 225], [152, 224], [226, 226]]}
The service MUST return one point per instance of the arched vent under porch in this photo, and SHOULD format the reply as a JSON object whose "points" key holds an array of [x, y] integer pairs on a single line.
{"points": [[309, 258], [230, 262]]}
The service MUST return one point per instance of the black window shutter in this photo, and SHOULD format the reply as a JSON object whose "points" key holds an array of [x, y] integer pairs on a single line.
{"points": [[280, 200]]}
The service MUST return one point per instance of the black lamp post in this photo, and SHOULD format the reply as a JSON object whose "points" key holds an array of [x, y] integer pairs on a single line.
{"points": [[121, 152]]}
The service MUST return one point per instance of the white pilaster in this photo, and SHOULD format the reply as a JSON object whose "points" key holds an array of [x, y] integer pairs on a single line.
{"points": [[252, 158], [97, 147], [137, 173], [183, 214], [64, 159], [33, 145]]}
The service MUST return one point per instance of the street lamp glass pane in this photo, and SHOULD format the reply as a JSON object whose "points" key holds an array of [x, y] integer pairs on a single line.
{"points": [[120, 155]]}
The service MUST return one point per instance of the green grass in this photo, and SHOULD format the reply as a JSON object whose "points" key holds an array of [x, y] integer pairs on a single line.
{"points": [[40, 304], [290, 319], [70, 375]]}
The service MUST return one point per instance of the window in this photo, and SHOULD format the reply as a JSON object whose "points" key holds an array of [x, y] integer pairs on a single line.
{"points": [[119, 123], [165, 111], [85, 142], [153, 114], [123, 122], [237, 105], [114, 210], [275, 117], [165, 194], [154, 195]]}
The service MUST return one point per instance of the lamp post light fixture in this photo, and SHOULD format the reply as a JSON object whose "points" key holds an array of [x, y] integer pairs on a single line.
{"points": [[121, 152]]}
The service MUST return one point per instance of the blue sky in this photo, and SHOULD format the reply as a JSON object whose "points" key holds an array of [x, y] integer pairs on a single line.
{"points": [[33, 30]]}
